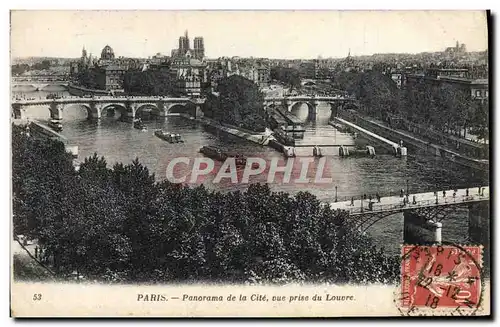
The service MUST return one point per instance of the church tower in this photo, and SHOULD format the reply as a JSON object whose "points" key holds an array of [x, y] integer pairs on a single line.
{"points": [[183, 44], [199, 48], [84, 54]]}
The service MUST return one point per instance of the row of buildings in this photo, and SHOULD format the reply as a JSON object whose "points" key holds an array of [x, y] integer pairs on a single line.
{"points": [[475, 86], [193, 72], [187, 65], [108, 71]]}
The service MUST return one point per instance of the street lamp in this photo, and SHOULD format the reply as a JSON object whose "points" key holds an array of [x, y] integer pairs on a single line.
{"points": [[335, 193], [407, 187]]}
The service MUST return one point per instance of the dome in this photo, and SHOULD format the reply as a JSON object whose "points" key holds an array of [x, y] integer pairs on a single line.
{"points": [[107, 53]]}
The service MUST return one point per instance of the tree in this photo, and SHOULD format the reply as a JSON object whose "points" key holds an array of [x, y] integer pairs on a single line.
{"points": [[479, 119], [119, 225], [88, 78], [45, 64], [19, 69], [240, 103], [286, 75], [149, 82]]}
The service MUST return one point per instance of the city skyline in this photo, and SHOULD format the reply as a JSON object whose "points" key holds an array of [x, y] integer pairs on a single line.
{"points": [[309, 34]]}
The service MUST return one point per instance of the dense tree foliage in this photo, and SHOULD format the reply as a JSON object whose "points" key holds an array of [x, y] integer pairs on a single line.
{"points": [[479, 119], [18, 69], [286, 75], [442, 107], [88, 78], [118, 224], [239, 103], [149, 82], [445, 108], [377, 93]]}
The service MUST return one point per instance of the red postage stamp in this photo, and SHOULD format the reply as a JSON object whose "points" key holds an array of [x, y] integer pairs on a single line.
{"points": [[441, 277]]}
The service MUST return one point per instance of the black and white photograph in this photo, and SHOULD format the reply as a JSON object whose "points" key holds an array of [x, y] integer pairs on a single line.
{"points": [[225, 164]]}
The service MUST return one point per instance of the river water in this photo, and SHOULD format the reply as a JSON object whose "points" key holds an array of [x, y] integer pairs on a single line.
{"points": [[118, 141]]}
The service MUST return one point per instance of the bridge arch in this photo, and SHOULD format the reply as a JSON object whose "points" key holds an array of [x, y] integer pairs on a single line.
{"points": [[149, 109], [53, 88], [35, 111], [177, 108], [308, 83], [24, 88], [294, 108], [65, 108], [108, 108]]}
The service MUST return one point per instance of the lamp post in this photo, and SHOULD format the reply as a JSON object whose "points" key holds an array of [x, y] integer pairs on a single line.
{"points": [[335, 193], [407, 186]]}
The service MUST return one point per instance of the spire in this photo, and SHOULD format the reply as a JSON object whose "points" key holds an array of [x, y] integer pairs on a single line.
{"points": [[349, 54], [186, 34], [84, 53]]}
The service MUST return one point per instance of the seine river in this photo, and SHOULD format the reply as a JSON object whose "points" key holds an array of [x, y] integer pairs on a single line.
{"points": [[119, 142]]}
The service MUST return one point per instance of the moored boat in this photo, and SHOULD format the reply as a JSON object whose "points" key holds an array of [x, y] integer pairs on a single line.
{"points": [[139, 125], [169, 137], [219, 155], [56, 125]]}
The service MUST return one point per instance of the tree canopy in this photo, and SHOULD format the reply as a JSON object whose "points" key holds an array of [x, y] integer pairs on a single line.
{"points": [[117, 224], [239, 103], [286, 75], [376, 92], [149, 82], [88, 78], [443, 107]]}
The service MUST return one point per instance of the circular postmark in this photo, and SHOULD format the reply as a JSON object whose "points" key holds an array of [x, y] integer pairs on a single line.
{"points": [[441, 279]]}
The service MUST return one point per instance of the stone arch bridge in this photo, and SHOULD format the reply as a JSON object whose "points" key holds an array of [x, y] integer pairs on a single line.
{"points": [[336, 103], [39, 86], [128, 106], [39, 82]]}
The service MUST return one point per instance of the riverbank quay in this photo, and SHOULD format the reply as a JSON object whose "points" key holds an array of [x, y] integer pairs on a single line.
{"points": [[77, 90], [414, 142], [37, 129], [470, 146], [255, 137], [388, 144]]}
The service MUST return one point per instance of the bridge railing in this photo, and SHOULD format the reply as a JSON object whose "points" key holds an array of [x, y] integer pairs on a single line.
{"points": [[77, 99], [403, 205]]}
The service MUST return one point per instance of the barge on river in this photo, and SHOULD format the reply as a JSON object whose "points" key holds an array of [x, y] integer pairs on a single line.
{"points": [[138, 124], [219, 155], [56, 125], [169, 137]]}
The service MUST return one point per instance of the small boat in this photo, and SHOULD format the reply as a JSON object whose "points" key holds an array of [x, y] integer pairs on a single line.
{"points": [[340, 127], [56, 125], [139, 125], [282, 137], [219, 155], [169, 137]]}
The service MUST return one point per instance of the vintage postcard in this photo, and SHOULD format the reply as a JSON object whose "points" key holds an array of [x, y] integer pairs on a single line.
{"points": [[229, 164]]}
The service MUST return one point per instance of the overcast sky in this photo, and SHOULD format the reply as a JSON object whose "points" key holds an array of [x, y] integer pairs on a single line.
{"points": [[272, 34]]}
